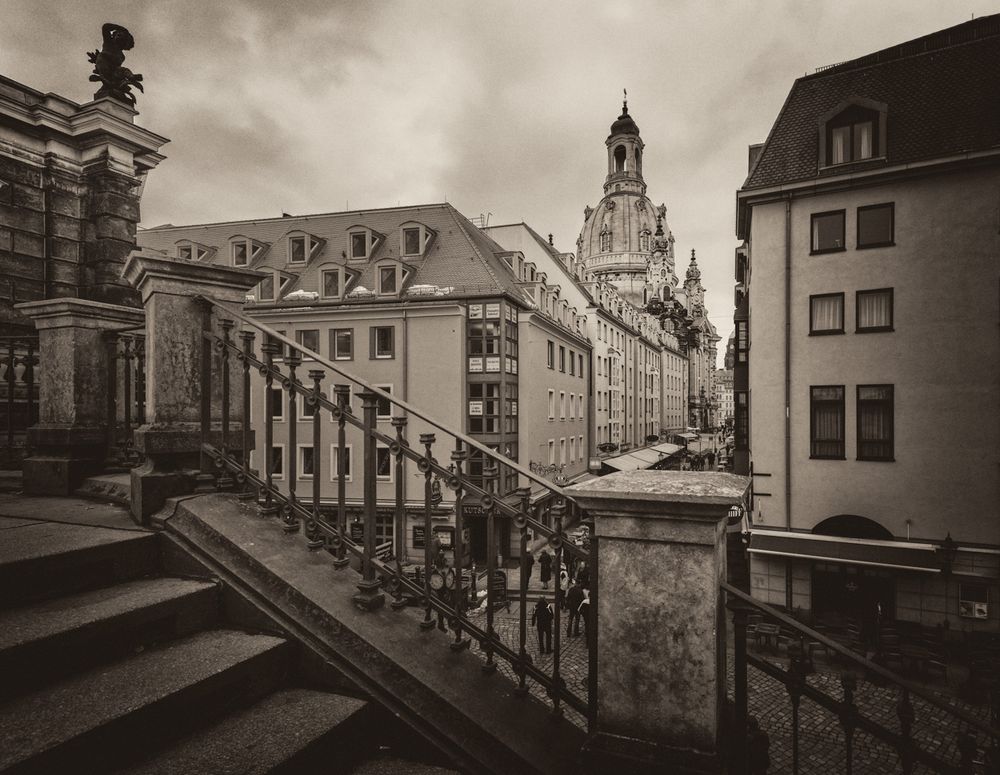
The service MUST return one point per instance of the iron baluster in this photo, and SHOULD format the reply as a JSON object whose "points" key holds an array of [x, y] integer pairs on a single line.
{"points": [[740, 687], [369, 597], [247, 492], [127, 398], [796, 683], [458, 456], [268, 349], [558, 510], [343, 394], [847, 718], [289, 513], [490, 474], [399, 514], [426, 465], [112, 352], [225, 480], [314, 538], [904, 711], [11, 382], [521, 521], [140, 379]]}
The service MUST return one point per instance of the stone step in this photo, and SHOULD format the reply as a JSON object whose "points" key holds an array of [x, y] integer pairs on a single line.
{"points": [[43, 559], [118, 712], [391, 765], [294, 730], [48, 640]]}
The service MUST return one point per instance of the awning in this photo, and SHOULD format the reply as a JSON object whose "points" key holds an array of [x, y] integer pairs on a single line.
{"points": [[688, 436], [642, 458], [902, 555]]}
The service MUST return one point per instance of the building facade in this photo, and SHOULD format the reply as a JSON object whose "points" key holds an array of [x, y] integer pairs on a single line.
{"points": [[723, 387], [421, 304], [867, 347]]}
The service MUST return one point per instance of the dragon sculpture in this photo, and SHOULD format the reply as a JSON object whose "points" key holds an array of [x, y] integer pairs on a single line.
{"points": [[116, 81]]}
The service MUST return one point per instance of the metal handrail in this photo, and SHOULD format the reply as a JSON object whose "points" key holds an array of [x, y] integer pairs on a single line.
{"points": [[866, 664], [407, 407]]}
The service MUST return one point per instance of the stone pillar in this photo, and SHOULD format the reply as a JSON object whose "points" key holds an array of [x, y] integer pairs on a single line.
{"points": [[70, 439], [175, 320], [661, 627]]}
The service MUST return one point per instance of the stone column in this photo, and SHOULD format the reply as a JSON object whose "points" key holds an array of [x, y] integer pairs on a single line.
{"points": [[175, 320], [661, 627], [70, 439]]}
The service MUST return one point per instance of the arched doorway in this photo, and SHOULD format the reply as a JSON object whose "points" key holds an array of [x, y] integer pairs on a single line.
{"points": [[865, 593]]}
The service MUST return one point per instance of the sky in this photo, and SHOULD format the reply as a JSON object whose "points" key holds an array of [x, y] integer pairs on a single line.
{"points": [[501, 108]]}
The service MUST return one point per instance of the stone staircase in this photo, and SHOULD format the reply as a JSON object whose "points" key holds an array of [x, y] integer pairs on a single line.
{"points": [[111, 660]]}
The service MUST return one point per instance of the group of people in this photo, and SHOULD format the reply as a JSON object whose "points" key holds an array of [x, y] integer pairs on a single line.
{"points": [[573, 595]]}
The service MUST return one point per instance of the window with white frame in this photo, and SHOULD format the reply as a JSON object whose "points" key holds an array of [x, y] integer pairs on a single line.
{"points": [[552, 451], [360, 244], [552, 404], [308, 338], [330, 283], [306, 463], [413, 239], [383, 464], [277, 461], [240, 253], [277, 403], [342, 344], [562, 405], [388, 279], [265, 288], [383, 409], [562, 452], [302, 248], [382, 343], [334, 458]]}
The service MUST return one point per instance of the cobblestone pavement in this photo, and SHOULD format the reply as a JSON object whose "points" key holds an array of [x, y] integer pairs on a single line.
{"points": [[821, 736]]}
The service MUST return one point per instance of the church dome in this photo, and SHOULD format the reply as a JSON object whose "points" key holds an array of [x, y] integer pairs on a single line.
{"points": [[625, 125]]}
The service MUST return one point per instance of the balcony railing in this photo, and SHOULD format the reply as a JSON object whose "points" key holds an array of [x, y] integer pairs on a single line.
{"points": [[245, 348], [929, 734], [19, 399], [126, 395]]}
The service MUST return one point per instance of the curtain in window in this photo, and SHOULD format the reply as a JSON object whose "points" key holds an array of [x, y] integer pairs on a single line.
{"points": [[828, 422], [863, 140], [839, 139], [874, 310], [827, 313], [875, 422]]}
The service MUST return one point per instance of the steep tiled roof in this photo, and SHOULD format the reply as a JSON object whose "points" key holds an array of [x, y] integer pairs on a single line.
{"points": [[942, 93], [459, 256]]}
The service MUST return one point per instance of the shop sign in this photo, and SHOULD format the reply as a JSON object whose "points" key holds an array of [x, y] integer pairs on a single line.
{"points": [[476, 311]]}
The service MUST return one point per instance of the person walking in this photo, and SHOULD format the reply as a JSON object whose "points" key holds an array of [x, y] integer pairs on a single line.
{"points": [[541, 619], [545, 568], [584, 610], [563, 585], [573, 600], [531, 564]]}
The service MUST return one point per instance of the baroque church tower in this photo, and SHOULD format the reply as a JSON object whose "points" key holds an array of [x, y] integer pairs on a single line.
{"points": [[625, 232]]}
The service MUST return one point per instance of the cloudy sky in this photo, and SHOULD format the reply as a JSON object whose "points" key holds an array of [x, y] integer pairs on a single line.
{"points": [[497, 107]]}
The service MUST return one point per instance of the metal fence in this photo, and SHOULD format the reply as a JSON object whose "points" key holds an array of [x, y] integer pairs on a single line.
{"points": [[19, 400]]}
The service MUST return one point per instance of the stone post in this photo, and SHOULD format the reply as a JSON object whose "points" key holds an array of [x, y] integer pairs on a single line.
{"points": [[661, 627], [175, 320], [71, 437]]}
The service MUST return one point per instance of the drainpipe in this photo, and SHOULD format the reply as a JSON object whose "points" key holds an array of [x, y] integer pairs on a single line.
{"points": [[788, 393], [405, 394]]}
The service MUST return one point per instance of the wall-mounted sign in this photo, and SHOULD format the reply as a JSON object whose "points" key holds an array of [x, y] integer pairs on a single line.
{"points": [[418, 537], [446, 535], [492, 310], [476, 311], [476, 408], [492, 364], [475, 364]]}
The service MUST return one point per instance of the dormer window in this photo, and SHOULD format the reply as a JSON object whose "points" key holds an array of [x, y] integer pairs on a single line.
{"points": [[414, 239], [296, 250], [361, 243], [331, 283], [265, 289], [193, 251], [411, 241], [243, 251], [387, 280], [854, 132], [241, 256]]}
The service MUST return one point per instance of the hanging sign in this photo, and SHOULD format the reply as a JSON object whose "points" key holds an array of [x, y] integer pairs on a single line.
{"points": [[476, 311], [492, 310]]}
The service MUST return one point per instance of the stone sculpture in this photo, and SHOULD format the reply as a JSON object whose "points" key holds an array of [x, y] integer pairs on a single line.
{"points": [[116, 81]]}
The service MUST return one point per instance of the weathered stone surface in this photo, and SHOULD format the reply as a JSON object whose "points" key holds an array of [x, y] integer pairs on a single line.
{"points": [[18, 218], [115, 204], [28, 197], [20, 172], [65, 227], [117, 227], [64, 203], [64, 248], [29, 244]]}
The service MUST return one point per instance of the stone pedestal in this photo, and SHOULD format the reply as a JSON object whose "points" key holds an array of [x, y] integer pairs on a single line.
{"points": [[71, 437], [661, 631], [175, 363]]}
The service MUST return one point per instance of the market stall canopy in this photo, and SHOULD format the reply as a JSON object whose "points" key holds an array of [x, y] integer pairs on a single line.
{"points": [[904, 555]]}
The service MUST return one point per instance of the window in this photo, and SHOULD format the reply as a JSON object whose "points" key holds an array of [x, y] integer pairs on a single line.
{"points": [[306, 411], [644, 240], [973, 600], [277, 403], [387, 279], [552, 404], [874, 311], [331, 283], [359, 245], [334, 455], [265, 289], [184, 251], [852, 136], [382, 341], [580, 370], [562, 452], [826, 422], [620, 158], [562, 358], [875, 433], [550, 354], [411, 241], [605, 240], [297, 250], [240, 254], [742, 340], [552, 451], [342, 344], [383, 464], [826, 314], [572, 363], [306, 462], [828, 232], [308, 339], [278, 461], [484, 407], [383, 409], [875, 225]]}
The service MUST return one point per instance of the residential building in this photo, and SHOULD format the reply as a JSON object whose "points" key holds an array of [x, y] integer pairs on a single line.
{"points": [[867, 328], [723, 387], [422, 304]]}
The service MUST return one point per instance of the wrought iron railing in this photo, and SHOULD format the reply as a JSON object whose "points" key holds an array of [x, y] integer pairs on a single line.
{"points": [[928, 733], [19, 401], [126, 395], [227, 442]]}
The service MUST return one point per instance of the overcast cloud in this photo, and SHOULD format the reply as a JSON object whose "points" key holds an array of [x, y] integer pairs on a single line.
{"points": [[499, 108]]}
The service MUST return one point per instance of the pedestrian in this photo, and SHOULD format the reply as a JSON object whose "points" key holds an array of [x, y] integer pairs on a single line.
{"points": [[583, 576], [531, 564], [563, 585], [758, 746], [443, 594], [711, 459], [584, 610], [545, 568], [573, 600], [541, 618]]}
